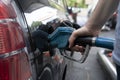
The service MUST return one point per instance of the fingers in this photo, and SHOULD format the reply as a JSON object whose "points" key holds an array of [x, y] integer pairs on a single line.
{"points": [[78, 48], [71, 43], [72, 39]]}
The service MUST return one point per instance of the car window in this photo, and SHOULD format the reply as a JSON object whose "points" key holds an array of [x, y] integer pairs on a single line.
{"points": [[40, 16]]}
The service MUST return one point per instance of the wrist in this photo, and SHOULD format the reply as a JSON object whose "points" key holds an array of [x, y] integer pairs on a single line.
{"points": [[93, 32], [86, 31]]}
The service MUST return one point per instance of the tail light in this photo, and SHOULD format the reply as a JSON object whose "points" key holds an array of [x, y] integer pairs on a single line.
{"points": [[6, 10], [15, 67], [14, 64], [11, 37]]}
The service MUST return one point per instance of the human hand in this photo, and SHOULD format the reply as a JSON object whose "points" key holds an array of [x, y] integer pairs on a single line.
{"points": [[81, 32]]}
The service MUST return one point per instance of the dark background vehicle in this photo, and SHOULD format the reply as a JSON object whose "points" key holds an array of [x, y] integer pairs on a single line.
{"points": [[110, 23], [114, 19], [20, 57]]}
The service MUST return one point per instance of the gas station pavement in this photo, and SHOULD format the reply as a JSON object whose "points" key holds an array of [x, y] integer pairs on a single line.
{"points": [[90, 69]]}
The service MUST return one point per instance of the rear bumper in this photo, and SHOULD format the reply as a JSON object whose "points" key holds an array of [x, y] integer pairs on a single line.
{"points": [[107, 65]]}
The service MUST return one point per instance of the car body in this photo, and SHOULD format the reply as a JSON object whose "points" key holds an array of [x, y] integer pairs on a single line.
{"points": [[20, 59]]}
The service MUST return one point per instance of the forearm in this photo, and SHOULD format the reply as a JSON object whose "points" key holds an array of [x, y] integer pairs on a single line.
{"points": [[101, 13]]}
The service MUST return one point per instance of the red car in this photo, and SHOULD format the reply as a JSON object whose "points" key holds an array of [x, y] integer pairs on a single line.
{"points": [[20, 57]]}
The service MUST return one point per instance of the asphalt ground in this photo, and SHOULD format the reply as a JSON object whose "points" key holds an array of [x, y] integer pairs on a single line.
{"points": [[90, 69]]}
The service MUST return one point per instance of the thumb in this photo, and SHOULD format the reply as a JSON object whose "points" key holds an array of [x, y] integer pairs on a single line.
{"points": [[71, 41]]}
